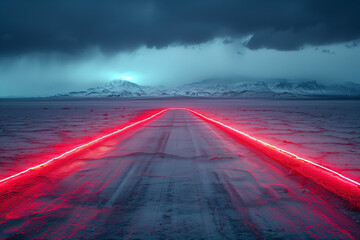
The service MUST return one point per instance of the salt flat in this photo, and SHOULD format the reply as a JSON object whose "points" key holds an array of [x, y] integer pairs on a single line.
{"points": [[176, 176]]}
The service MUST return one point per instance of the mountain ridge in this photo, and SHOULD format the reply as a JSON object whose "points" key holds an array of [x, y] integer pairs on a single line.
{"points": [[217, 87]]}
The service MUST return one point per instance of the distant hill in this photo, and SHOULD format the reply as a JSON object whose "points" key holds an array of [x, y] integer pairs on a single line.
{"points": [[235, 87]]}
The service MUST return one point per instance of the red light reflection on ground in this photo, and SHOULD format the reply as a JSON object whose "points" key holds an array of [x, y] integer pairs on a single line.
{"points": [[86, 145], [332, 180]]}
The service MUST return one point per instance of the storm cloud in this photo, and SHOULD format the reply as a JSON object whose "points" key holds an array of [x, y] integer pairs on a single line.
{"points": [[71, 26]]}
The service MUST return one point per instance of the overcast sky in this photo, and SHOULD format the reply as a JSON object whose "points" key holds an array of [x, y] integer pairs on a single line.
{"points": [[47, 47]]}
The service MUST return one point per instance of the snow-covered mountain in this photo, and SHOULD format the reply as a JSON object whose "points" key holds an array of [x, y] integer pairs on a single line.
{"points": [[273, 88]]}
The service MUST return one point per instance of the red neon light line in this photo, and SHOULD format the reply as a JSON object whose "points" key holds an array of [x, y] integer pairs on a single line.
{"points": [[294, 156], [82, 146]]}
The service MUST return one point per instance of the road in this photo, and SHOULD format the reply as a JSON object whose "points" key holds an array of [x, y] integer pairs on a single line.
{"points": [[175, 177]]}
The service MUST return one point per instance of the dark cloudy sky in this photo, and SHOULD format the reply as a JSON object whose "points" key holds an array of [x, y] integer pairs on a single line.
{"points": [[51, 46]]}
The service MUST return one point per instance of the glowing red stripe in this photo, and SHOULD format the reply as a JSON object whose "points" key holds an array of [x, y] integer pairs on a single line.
{"points": [[278, 149], [83, 146], [294, 156]]}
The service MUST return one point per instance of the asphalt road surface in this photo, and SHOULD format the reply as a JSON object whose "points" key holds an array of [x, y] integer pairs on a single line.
{"points": [[176, 177]]}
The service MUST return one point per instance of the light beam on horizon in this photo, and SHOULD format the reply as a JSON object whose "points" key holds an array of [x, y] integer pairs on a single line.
{"points": [[127, 78]]}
